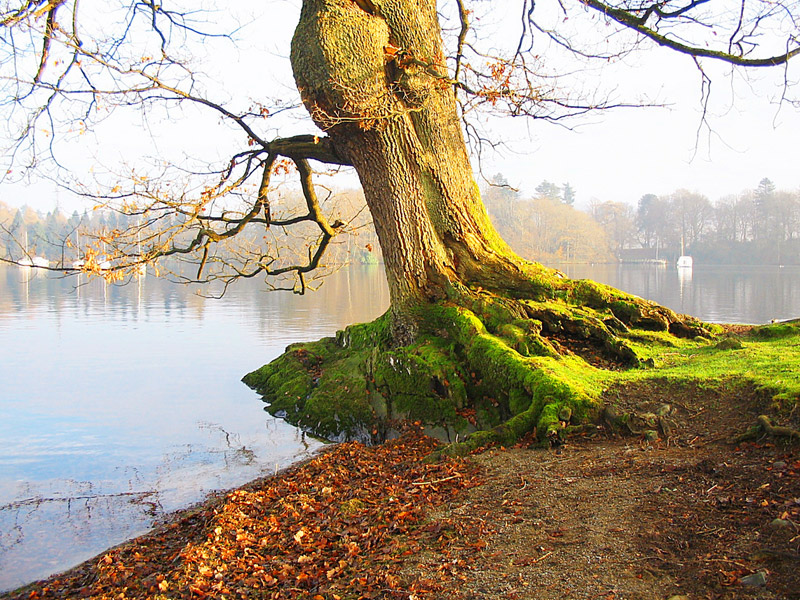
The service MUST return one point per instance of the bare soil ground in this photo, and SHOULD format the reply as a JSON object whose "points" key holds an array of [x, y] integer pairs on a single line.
{"points": [[690, 515]]}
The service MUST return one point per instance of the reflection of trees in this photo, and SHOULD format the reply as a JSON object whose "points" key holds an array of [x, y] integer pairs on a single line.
{"points": [[351, 294], [235, 453], [718, 294], [87, 522]]}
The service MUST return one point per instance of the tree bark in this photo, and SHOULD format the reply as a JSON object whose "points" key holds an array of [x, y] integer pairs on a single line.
{"points": [[477, 338], [373, 76]]}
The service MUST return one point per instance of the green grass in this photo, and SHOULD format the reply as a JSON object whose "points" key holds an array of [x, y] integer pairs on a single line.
{"points": [[769, 358]]}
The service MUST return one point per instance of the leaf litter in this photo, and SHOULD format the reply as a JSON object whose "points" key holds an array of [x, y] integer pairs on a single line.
{"points": [[691, 515]]}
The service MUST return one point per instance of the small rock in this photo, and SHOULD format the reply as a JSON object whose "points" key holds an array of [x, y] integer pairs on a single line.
{"points": [[758, 579], [729, 344], [779, 464], [678, 597], [663, 411], [780, 524], [651, 435]]}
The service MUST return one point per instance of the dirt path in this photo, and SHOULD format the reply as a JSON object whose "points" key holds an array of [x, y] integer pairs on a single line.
{"points": [[689, 515]]}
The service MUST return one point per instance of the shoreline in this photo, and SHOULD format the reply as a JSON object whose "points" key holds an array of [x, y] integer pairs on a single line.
{"points": [[689, 515], [138, 562], [175, 518]]}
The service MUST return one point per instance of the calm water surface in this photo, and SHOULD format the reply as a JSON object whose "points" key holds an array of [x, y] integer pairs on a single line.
{"points": [[118, 404], [719, 294]]}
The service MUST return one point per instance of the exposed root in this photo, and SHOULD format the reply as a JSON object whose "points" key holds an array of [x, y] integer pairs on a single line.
{"points": [[764, 427], [483, 368]]}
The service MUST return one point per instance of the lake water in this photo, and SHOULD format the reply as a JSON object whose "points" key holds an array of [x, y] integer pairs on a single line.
{"points": [[120, 404], [718, 294]]}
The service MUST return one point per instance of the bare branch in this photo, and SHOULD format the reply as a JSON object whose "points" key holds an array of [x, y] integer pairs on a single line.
{"points": [[628, 19]]}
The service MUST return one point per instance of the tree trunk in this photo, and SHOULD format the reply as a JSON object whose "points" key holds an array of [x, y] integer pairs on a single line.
{"points": [[373, 76], [476, 338]]}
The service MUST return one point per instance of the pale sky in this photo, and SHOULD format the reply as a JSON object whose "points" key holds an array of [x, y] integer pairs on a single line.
{"points": [[617, 155]]}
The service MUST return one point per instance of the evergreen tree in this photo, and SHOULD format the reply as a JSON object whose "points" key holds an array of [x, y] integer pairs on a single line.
{"points": [[548, 190], [568, 194]]}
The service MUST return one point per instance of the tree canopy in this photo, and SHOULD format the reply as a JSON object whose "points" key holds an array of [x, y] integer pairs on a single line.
{"points": [[68, 67]]}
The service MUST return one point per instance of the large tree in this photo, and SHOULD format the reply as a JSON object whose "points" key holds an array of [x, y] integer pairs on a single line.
{"points": [[475, 336]]}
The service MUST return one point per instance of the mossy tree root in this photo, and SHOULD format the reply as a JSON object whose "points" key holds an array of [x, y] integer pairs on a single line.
{"points": [[484, 368]]}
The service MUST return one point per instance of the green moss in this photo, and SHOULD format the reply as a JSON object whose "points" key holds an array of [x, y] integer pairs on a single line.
{"points": [[421, 382], [624, 311], [548, 417], [496, 368], [770, 362], [351, 507], [319, 387], [376, 334], [519, 401], [728, 344], [776, 331], [591, 293]]}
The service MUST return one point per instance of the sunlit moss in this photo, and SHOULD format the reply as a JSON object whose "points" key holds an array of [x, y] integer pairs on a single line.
{"points": [[490, 365]]}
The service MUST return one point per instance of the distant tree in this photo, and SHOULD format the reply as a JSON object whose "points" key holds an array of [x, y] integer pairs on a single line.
{"points": [[617, 219], [732, 218], [567, 194], [554, 231], [651, 220], [762, 199], [548, 190], [18, 224], [501, 200], [764, 190], [781, 216], [692, 215], [14, 236]]}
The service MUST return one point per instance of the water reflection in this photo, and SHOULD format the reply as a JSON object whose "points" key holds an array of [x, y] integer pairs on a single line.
{"points": [[720, 294], [119, 404]]}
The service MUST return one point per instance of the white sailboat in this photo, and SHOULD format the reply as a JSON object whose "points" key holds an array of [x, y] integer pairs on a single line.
{"points": [[32, 261], [684, 261]]}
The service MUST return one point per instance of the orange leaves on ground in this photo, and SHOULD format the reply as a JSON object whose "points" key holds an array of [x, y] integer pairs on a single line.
{"points": [[334, 527]]}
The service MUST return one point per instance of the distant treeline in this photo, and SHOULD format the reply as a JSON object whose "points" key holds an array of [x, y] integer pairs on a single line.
{"points": [[758, 226], [62, 238]]}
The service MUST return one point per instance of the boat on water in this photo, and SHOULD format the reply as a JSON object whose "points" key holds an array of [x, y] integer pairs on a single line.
{"points": [[684, 261], [28, 260]]}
